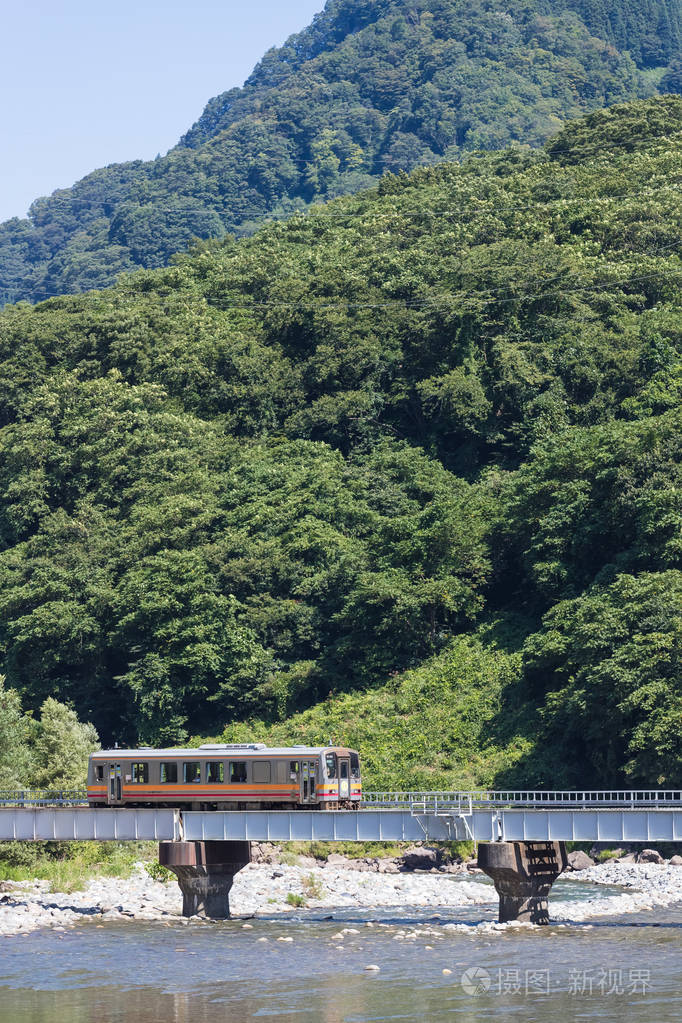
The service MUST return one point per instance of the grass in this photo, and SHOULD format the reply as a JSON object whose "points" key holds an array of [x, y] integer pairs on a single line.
{"points": [[451, 723], [68, 866], [608, 854], [312, 887], [293, 851], [158, 873], [295, 900]]}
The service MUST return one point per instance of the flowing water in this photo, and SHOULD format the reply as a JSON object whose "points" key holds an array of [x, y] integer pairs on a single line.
{"points": [[622, 968]]}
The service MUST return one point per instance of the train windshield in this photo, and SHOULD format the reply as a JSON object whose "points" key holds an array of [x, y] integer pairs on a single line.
{"points": [[355, 765]]}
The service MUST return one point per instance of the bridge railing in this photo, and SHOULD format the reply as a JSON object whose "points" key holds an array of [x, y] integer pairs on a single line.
{"points": [[43, 797], [466, 802], [416, 801]]}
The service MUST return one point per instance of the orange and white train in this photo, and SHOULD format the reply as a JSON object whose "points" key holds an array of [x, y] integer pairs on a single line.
{"points": [[247, 776]]}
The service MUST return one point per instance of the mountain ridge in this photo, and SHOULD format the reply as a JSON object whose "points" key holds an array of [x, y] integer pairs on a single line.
{"points": [[369, 87]]}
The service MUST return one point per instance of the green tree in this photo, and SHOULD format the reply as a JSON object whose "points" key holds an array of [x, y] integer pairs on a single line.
{"points": [[612, 660], [61, 746], [16, 765]]}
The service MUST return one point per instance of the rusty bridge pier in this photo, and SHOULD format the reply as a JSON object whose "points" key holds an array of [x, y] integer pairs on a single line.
{"points": [[205, 873], [523, 874]]}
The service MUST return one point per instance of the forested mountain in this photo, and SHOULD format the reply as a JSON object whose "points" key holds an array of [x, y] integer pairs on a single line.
{"points": [[434, 428], [370, 86]]}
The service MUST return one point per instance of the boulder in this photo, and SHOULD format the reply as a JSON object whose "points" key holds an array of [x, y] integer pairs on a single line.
{"points": [[308, 862], [388, 866], [578, 860], [360, 864], [650, 856], [264, 852], [676, 861], [336, 860], [420, 858]]}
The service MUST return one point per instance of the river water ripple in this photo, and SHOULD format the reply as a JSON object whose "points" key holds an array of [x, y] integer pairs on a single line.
{"points": [[613, 969]]}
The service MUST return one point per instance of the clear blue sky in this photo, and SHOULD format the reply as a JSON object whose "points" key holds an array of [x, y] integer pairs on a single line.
{"points": [[85, 83]]}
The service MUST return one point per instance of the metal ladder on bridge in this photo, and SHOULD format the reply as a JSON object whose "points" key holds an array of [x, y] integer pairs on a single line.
{"points": [[449, 812]]}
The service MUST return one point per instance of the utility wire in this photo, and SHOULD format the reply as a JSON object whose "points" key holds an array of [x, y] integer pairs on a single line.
{"points": [[329, 213], [522, 146], [671, 247], [485, 297], [485, 268]]}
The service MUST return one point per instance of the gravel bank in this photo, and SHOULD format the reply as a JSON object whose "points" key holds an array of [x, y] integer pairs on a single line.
{"points": [[649, 885], [263, 889]]}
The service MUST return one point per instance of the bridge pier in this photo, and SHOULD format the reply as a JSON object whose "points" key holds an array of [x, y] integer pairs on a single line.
{"points": [[205, 873], [523, 874]]}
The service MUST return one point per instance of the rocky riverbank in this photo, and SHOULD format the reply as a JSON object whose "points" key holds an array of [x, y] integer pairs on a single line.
{"points": [[264, 888], [647, 886]]}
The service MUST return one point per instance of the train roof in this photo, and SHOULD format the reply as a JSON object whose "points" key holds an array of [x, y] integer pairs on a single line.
{"points": [[254, 749]]}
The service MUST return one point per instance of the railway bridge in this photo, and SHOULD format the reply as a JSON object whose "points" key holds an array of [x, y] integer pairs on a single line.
{"points": [[522, 834]]}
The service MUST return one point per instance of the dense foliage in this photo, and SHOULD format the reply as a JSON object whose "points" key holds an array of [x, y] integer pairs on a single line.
{"points": [[48, 752], [371, 86], [434, 429], [451, 723]]}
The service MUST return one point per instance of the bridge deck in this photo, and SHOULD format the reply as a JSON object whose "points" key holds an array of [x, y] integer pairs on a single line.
{"points": [[617, 825], [64, 824]]}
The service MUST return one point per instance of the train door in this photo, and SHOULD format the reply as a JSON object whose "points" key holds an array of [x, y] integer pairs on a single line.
{"points": [[344, 778], [115, 785], [308, 792]]}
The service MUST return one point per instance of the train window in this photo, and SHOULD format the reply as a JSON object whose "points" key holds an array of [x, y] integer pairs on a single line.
{"points": [[139, 774], [215, 771], [331, 765], [191, 772], [354, 765], [169, 773], [261, 772], [238, 771], [99, 772], [293, 769]]}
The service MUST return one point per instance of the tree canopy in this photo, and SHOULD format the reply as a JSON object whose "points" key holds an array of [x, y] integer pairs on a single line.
{"points": [[425, 433]]}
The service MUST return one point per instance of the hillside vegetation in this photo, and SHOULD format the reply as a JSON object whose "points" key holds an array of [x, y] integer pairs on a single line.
{"points": [[405, 470], [371, 86]]}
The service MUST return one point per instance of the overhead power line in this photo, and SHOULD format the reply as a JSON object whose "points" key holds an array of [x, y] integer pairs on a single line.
{"points": [[330, 213], [673, 186], [628, 146], [485, 297]]}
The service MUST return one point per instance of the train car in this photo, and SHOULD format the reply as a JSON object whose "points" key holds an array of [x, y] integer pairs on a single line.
{"points": [[242, 776]]}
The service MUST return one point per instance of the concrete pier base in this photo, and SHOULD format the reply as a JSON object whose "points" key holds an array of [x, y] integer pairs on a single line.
{"points": [[523, 874], [205, 873]]}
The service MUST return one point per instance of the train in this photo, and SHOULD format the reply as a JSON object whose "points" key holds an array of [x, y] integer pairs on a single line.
{"points": [[227, 776]]}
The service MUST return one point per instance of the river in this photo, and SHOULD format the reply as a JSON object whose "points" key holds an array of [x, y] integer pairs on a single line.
{"points": [[621, 969]]}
